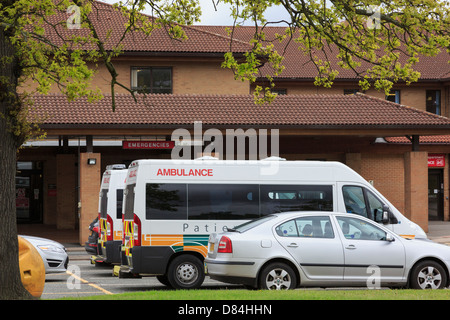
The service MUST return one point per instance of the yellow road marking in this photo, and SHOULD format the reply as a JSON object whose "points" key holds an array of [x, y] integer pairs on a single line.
{"points": [[88, 283]]}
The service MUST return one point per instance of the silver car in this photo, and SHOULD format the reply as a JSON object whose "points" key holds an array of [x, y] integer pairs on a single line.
{"points": [[292, 249], [53, 253]]}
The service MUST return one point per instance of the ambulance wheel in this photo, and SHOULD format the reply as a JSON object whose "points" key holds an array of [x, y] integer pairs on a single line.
{"points": [[186, 272]]}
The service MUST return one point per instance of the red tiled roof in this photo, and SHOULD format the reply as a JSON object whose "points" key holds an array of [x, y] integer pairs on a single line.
{"points": [[215, 40], [443, 139], [299, 111], [107, 19], [298, 66]]}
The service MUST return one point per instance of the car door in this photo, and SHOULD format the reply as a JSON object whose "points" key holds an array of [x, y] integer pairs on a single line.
{"points": [[368, 249], [314, 245]]}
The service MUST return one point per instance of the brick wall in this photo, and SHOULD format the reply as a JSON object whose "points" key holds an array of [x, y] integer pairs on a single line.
{"points": [[416, 188], [387, 173], [190, 76], [90, 178], [66, 182]]}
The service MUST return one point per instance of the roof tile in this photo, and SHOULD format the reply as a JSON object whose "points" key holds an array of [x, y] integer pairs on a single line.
{"points": [[312, 111]]}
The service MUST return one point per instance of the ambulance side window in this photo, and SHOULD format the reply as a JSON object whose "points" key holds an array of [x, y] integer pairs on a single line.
{"points": [[281, 198], [104, 203], [129, 202], [119, 203], [166, 201]]}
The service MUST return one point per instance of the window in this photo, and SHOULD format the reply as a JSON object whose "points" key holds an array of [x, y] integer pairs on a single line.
{"points": [[375, 207], [128, 212], [350, 91], [279, 91], [119, 203], [166, 201], [202, 201], [151, 79], [223, 201], [231, 201], [394, 96], [354, 200], [306, 227], [356, 229], [280, 198], [104, 203], [433, 101], [362, 202]]}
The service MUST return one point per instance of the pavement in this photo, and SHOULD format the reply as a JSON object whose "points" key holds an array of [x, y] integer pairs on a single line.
{"points": [[439, 231]]}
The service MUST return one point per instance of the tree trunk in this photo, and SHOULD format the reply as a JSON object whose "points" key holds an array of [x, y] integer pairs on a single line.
{"points": [[10, 283]]}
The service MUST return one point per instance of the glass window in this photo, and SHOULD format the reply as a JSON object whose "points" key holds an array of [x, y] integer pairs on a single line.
{"points": [[279, 91], [433, 101], [223, 201], [103, 203], [119, 203], [308, 227], [362, 202], [350, 91], [162, 80], [151, 80], [375, 207], [287, 229], [357, 229], [354, 200], [281, 198], [394, 96], [129, 202], [166, 201]]}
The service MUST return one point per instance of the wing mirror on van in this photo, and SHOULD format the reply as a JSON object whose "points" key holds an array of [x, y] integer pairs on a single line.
{"points": [[385, 215], [388, 216]]}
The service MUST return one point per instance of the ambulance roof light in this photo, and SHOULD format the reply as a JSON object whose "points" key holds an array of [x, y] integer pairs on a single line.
{"points": [[116, 167]]}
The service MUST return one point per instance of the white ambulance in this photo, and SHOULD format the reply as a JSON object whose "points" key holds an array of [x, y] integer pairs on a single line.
{"points": [[171, 207], [110, 215]]}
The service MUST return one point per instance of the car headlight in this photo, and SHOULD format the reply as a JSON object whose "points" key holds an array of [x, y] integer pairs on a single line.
{"points": [[51, 247]]}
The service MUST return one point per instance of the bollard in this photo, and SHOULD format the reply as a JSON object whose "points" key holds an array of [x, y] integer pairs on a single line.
{"points": [[32, 269]]}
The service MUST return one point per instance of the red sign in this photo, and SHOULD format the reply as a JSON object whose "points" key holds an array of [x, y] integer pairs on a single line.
{"points": [[436, 160], [148, 144]]}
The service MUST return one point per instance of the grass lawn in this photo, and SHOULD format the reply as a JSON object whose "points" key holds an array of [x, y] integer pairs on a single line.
{"points": [[300, 294]]}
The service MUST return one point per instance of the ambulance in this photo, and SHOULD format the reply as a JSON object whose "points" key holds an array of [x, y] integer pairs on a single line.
{"points": [[110, 215], [171, 207]]}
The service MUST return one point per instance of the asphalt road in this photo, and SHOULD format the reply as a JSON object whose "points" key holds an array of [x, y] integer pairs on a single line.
{"points": [[85, 279]]}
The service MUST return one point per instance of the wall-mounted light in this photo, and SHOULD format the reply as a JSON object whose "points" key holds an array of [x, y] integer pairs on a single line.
{"points": [[92, 161]]}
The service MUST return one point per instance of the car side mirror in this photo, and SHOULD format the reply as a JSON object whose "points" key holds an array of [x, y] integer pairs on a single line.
{"points": [[389, 237]]}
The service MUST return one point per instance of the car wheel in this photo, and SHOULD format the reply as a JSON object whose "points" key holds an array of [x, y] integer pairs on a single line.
{"points": [[277, 276], [428, 275], [186, 272]]}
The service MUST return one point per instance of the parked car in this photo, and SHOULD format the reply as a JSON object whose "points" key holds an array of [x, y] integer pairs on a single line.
{"points": [[287, 250], [91, 245], [53, 253]]}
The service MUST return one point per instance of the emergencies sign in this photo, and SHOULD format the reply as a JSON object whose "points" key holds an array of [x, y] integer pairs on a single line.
{"points": [[436, 160], [148, 144]]}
